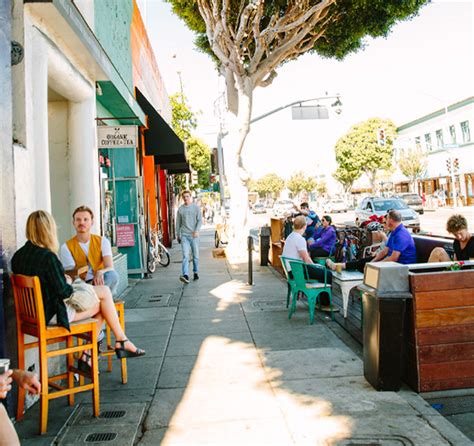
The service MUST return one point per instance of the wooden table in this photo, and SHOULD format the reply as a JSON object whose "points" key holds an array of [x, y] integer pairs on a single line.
{"points": [[345, 281]]}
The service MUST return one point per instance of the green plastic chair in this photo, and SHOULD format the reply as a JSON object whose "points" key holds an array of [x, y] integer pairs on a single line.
{"points": [[311, 288], [290, 281]]}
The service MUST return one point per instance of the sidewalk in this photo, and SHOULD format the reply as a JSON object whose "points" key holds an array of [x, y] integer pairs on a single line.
{"points": [[225, 366]]}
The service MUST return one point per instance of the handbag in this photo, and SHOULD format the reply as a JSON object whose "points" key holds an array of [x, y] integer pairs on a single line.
{"points": [[83, 297]]}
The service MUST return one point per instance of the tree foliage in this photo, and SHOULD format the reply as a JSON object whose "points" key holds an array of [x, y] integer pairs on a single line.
{"points": [[184, 122], [413, 164], [299, 182], [359, 151], [268, 184]]}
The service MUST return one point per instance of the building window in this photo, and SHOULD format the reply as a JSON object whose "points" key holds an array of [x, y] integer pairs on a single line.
{"points": [[418, 142], [429, 146], [452, 132], [439, 138], [466, 134]]}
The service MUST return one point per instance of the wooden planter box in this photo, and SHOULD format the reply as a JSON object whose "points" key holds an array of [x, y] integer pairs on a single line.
{"points": [[439, 334]]}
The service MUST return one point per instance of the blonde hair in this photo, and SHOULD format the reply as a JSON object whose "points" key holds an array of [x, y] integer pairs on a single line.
{"points": [[41, 230], [299, 222]]}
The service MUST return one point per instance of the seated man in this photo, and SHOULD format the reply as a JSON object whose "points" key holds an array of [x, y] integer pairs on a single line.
{"points": [[27, 380], [399, 247], [295, 248], [463, 244], [90, 250], [312, 220]]}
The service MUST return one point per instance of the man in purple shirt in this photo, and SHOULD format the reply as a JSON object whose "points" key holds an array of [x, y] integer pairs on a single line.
{"points": [[400, 245]]}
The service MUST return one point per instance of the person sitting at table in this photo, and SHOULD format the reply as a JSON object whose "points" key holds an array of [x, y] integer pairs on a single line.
{"points": [[38, 257], [325, 242], [312, 220], [296, 248], [26, 380], [463, 244], [400, 246]]}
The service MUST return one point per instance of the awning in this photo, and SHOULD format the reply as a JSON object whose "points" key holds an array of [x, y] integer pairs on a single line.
{"points": [[174, 168], [160, 139]]}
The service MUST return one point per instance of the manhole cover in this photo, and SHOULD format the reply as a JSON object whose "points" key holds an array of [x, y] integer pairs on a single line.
{"points": [[99, 437], [113, 414]]}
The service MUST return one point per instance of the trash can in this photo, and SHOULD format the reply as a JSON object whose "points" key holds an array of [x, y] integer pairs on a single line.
{"points": [[264, 241], [385, 292]]}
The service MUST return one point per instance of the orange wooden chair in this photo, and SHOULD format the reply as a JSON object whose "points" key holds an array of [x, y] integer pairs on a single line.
{"points": [[30, 320]]}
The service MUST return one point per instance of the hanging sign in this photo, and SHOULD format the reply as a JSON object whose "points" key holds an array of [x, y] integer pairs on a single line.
{"points": [[112, 137], [125, 236]]}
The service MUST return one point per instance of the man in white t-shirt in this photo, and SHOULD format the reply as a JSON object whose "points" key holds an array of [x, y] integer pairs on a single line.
{"points": [[86, 249], [296, 248]]}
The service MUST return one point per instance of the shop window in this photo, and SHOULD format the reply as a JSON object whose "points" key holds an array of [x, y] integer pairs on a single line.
{"points": [[439, 138], [452, 132], [466, 134], [429, 145], [469, 184], [418, 142]]}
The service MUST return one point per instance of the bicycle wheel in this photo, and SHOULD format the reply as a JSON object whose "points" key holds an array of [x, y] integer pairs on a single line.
{"points": [[216, 239], [163, 256], [151, 265]]}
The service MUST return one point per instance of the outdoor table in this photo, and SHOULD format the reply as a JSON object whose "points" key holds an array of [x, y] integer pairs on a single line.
{"points": [[346, 280]]}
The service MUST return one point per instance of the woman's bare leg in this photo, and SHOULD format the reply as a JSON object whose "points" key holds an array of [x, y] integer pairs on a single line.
{"points": [[8, 436], [439, 255]]}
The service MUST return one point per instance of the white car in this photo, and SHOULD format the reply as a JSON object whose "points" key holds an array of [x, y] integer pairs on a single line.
{"points": [[334, 206], [282, 207]]}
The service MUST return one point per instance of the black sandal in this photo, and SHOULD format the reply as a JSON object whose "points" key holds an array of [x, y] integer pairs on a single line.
{"points": [[122, 353], [83, 365]]}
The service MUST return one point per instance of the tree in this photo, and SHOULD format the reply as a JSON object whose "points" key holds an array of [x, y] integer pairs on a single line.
{"points": [[345, 174], [184, 121], [321, 187], [270, 183], [250, 40], [299, 182], [413, 164], [199, 157], [360, 151]]}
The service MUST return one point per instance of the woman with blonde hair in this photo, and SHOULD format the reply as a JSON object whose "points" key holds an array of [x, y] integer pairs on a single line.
{"points": [[38, 257]]}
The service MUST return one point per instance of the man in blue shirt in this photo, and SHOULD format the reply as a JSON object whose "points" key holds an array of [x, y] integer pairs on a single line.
{"points": [[400, 244]]}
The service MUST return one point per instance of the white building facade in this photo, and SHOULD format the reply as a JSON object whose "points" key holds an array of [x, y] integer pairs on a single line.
{"points": [[445, 136]]}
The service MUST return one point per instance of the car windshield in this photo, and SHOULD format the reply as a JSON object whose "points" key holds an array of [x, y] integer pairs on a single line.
{"points": [[386, 205]]}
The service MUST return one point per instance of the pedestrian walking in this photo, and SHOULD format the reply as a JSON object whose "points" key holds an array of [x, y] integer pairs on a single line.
{"points": [[188, 225]]}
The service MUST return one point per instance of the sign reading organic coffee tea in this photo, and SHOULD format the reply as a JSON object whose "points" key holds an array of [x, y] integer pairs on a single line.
{"points": [[110, 137]]}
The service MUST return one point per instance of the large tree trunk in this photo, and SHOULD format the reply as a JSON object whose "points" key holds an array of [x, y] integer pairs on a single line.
{"points": [[237, 176]]}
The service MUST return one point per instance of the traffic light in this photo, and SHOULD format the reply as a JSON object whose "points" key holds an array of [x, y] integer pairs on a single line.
{"points": [[194, 177], [448, 164], [381, 137], [456, 165], [212, 178]]}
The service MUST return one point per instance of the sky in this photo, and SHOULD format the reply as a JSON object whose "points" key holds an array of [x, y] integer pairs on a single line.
{"points": [[422, 64]]}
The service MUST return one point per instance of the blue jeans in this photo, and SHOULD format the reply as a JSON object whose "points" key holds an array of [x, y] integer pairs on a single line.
{"points": [[190, 243], [111, 279]]}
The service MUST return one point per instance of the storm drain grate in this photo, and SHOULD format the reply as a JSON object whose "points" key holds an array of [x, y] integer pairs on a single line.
{"points": [[113, 414], [382, 440], [98, 437], [269, 304]]}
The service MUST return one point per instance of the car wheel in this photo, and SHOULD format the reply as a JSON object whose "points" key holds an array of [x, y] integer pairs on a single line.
{"points": [[416, 230]]}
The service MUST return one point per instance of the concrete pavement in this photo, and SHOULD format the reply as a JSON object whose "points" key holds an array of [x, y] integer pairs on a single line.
{"points": [[225, 366]]}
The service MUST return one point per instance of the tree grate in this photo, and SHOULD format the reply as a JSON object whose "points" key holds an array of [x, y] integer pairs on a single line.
{"points": [[113, 414], [98, 437]]}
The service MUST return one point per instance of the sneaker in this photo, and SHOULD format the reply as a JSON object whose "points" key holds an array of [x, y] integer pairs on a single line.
{"points": [[196, 276], [184, 279]]}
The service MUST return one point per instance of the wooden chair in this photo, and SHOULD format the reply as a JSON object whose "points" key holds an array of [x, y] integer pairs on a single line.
{"points": [[311, 288], [30, 320]]}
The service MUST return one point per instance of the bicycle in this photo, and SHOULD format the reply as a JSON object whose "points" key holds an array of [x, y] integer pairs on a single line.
{"points": [[157, 252]]}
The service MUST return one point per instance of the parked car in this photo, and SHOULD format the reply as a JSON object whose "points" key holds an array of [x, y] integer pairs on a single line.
{"points": [[413, 200], [259, 208], [335, 205], [282, 207], [380, 206]]}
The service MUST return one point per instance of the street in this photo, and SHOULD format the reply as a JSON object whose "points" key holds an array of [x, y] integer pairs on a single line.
{"points": [[432, 221]]}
